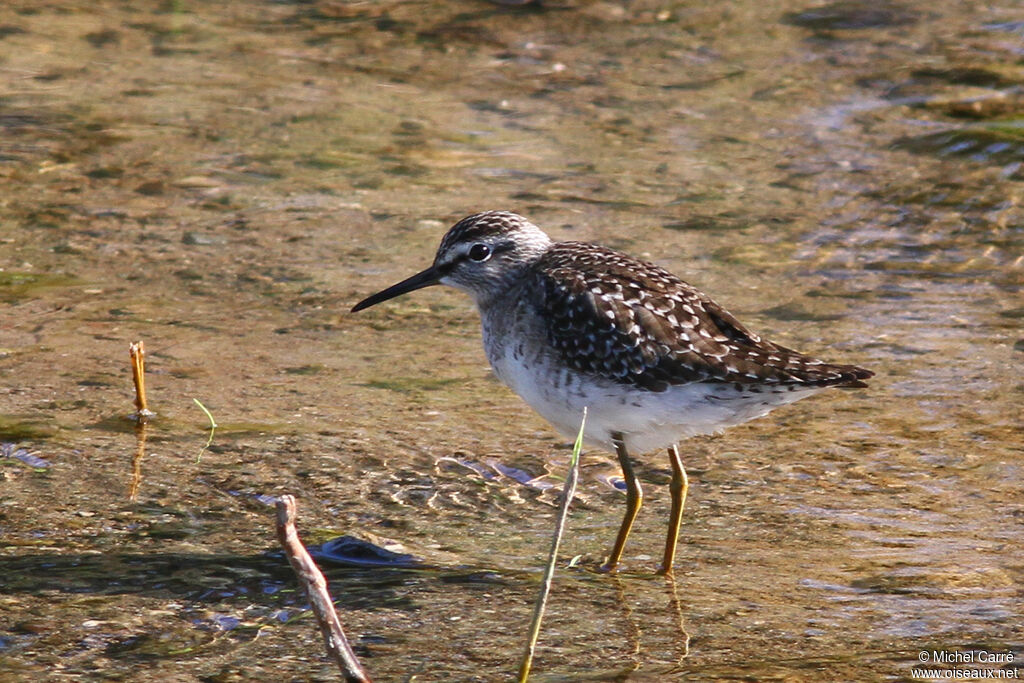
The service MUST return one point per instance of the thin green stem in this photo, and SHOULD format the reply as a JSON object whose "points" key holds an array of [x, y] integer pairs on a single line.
{"points": [[213, 428], [568, 491]]}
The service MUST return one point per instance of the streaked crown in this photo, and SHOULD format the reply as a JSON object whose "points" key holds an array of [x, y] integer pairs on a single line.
{"points": [[487, 252]]}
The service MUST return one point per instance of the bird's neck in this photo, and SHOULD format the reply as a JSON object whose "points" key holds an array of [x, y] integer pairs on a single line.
{"points": [[500, 294]]}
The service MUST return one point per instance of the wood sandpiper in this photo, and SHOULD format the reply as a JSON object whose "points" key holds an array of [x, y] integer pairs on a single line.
{"points": [[568, 325]]}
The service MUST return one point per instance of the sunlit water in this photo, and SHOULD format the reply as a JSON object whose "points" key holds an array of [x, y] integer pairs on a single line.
{"points": [[225, 182]]}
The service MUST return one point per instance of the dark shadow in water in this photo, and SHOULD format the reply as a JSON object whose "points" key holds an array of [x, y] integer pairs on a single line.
{"points": [[215, 577]]}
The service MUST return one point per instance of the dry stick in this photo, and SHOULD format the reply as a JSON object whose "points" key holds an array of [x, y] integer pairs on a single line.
{"points": [[138, 355], [142, 414], [316, 588], [549, 571]]}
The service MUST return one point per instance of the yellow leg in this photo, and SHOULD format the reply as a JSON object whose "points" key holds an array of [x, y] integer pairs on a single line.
{"points": [[679, 486], [634, 498]]}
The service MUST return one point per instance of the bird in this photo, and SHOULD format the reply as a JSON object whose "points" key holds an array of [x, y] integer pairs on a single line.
{"points": [[654, 360]]}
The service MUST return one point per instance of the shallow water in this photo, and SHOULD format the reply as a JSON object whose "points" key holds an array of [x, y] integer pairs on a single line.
{"points": [[225, 182]]}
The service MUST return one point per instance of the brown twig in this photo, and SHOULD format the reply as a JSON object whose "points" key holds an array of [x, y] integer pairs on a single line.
{"points": [[138, 355], [315, 585]]}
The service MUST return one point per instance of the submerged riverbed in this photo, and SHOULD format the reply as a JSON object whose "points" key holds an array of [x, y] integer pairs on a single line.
{"points": [[225, 180]]}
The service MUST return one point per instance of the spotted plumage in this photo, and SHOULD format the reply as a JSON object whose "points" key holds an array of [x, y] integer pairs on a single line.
{"points": [[569, 325], [635, 323]]}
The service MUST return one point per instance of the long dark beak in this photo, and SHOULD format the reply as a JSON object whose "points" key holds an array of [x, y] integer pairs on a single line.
{"points": [[430, 276]]}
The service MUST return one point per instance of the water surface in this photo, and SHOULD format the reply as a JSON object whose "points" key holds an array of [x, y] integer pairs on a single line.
{"points": [[225, 181]]}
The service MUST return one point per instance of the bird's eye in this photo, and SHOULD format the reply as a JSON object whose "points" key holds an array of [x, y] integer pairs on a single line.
{"points": [[479, 252]]}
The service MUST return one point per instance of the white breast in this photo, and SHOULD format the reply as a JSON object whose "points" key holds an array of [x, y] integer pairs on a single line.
{"points": [[522, 358]]}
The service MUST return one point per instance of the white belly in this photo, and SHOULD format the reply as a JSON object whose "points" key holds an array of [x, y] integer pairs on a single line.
{"points": [[647, 420]]}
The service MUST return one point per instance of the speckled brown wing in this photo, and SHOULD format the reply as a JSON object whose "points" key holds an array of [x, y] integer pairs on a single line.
{"points": [[633, 322]]}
